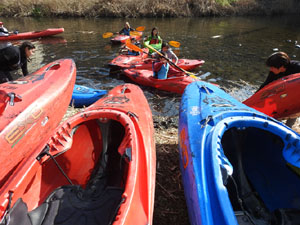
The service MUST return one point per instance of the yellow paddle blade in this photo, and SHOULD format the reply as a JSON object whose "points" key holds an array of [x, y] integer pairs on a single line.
{"points": [[141, 28], [132, 46], [107, 34], [135, 33], [175, 44]]}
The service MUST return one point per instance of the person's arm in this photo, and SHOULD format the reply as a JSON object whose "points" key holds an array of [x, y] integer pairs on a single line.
{"points": [[269, 79], [159, 39], [24, 68], [173, 57]]}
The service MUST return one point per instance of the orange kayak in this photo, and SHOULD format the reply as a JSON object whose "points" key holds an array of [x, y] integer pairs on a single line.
{"points": [[30, 108], [32, 34], [174, 84], [279, 99], [98, 167]]}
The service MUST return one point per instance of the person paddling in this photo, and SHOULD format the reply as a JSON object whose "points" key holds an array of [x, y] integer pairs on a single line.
{"points": [[126, 30], [13, 58], [162, 69], [165, 48], [154, 38]]}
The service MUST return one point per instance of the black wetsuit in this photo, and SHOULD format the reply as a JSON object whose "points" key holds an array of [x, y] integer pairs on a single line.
{"points": [[292, 68], [11, 58]]}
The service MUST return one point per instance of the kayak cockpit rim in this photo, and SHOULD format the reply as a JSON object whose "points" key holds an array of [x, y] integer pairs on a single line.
{"points": [[119, 131], [273, 131]]}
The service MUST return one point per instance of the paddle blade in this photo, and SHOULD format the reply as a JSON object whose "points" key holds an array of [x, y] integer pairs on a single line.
{"points": [[141, 28], [175, 44], [107, 34], [135, 33], [132, 46]]}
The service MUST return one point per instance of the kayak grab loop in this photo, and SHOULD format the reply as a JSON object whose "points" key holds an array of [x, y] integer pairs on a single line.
{"points": [[207, 90], [44, 152], [13, 97], [132, 115], [54, 66], [206, 121], [123, 90], [8, 97]]}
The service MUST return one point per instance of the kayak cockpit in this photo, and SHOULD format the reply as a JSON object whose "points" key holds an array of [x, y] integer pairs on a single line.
{"points": [[264, 187], [79, 178]]}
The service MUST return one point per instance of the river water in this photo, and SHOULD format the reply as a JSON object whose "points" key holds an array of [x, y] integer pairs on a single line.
{"points": [[234, 49]]}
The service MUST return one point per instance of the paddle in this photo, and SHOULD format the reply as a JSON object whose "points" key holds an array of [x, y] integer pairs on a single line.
{"points": [[173, 64], [134, 47], [135, 33], [175, 44], [109, 34]]}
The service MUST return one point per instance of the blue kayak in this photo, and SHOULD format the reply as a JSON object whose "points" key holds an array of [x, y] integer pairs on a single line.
{"points": [[85, 96], [239, 166]]}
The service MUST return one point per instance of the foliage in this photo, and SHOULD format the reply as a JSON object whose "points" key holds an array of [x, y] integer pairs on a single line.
{"points": [[136, 8]]}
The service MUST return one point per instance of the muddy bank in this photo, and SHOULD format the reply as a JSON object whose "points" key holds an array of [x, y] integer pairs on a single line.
{"points": [[146, 8]]}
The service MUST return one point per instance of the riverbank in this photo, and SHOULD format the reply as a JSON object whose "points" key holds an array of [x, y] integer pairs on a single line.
{"points": [[135, 8]]}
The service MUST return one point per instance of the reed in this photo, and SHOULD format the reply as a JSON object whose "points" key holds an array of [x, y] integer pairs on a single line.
{"points": [[137, 8]]}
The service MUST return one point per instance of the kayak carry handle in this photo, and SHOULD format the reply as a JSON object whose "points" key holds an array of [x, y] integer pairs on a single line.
{"points": [[13, 97]]}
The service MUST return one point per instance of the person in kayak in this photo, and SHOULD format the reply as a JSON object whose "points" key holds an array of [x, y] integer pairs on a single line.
{"points": [[13, 58], [3, 31], [280, 66], [154, 38], [162, 69], [126, 30], [165, 48]]}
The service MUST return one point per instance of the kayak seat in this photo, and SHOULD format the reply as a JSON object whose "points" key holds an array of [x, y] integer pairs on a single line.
{"points": [[70, 205]]}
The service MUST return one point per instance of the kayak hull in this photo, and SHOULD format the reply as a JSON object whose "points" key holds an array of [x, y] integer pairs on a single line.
{"points": [[174, 84], [279, 99], [228, 151], [106, 150], [85, 96], [38, 104], [32, 34]]}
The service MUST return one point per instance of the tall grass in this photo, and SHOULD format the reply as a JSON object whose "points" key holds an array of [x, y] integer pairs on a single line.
{"points": [[146, 8]]}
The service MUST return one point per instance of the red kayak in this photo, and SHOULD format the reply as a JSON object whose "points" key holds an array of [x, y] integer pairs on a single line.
{"points": [[278, 99], [30, 108], [32, 34], [174, 84], [98, 167], [142, 62], [121, 39]]}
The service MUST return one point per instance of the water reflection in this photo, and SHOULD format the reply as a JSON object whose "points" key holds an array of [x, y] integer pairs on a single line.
{"points": [[234, 58]]}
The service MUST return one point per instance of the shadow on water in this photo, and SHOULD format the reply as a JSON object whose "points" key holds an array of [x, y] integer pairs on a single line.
{"points": [[234, 49]]}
